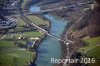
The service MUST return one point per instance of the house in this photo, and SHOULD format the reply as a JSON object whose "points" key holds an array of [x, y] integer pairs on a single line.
{"points": [[7, 24]]}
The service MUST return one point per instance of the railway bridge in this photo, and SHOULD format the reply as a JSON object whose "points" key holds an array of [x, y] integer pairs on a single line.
{"points": [[29, 22]]}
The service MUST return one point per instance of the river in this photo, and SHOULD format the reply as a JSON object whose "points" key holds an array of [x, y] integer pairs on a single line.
{"points": [[49, 47]]}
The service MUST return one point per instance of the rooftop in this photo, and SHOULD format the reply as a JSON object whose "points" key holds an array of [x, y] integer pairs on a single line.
{"points": [[7, 24]]}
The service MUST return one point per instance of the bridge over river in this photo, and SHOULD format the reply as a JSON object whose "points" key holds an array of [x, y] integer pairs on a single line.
{"points": [[67, 42], [48, 10], [29, 22]]}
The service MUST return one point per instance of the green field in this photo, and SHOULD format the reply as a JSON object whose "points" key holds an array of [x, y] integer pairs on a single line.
{"points": [[91, 43], [6, 44], [92, 49], [36, 20], [11, 55], [94, 52], [30, 34], [15, 57], [33, 34]]}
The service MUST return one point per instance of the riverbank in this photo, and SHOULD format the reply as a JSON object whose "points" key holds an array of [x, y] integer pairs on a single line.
{"points": [[16, 47], [63, 47], [37, 43], [78, 41], [85, 42], [50, 43], [64, 53]]}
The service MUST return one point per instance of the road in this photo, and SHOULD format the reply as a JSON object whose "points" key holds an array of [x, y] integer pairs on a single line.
{"points": [[64, 7], [29, 22]]}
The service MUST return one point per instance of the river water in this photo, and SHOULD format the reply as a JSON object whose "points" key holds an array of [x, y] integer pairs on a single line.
{"points": [[49, 47]]}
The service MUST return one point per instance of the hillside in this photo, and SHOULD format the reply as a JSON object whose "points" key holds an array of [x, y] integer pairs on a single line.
{"points": [[87, 25], [85, 33], [68, 13], [83, 27]]}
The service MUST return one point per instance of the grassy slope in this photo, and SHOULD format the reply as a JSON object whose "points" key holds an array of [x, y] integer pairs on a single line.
{"points": [[91, 43], [11, 55], [92, 49], [6, 44], [15, 57]]}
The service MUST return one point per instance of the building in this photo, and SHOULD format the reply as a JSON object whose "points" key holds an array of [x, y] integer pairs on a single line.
{"points": [[1, 4], [10, 7], [7, 7], [7, 24]]}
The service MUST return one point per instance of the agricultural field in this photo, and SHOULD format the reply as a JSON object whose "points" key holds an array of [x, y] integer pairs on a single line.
{"points": [[12, 55], [92, 49], [15, 57], [36, 20]]}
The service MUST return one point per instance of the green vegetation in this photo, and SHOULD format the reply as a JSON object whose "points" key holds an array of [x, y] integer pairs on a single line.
{"points": [[22, 42], [33, 34], [6, 44], [12, 52], [36, 20], [94, 52], [92, 49], [91, 43], [20, 22], [15, 57], [11, 55], [24, 3]]}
